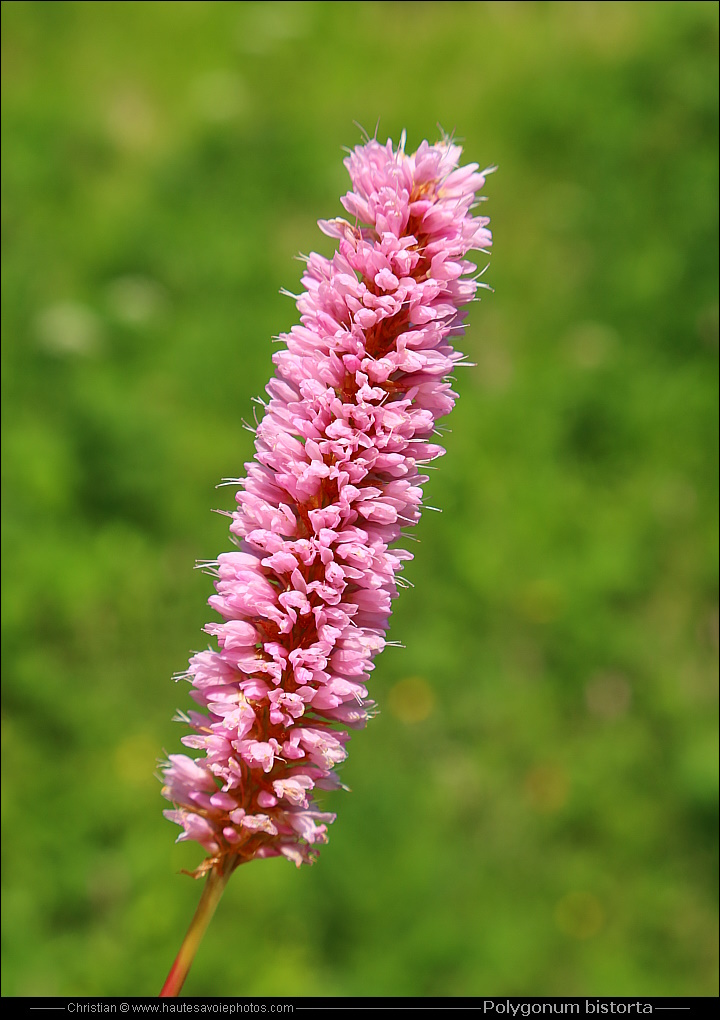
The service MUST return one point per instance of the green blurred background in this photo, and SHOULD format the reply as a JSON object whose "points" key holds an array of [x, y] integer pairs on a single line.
{"points": [[533, 812]]}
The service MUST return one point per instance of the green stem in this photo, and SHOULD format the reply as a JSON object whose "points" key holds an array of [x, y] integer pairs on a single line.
{"points": [[211, 895]]}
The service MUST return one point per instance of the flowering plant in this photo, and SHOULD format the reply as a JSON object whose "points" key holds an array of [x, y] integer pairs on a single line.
{"points": [[306, 597]]}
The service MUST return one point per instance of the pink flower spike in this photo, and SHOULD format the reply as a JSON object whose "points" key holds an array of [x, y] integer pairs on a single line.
{"points": [[305, 601]]}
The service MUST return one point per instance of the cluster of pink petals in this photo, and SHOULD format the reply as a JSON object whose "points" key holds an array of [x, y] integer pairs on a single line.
{"points": [[306, 598]]}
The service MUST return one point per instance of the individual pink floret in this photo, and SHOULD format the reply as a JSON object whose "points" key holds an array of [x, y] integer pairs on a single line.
{"points": [[306, 598]]}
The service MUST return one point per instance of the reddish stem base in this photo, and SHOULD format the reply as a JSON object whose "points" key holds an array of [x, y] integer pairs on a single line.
{"points": [[211, 895]]}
